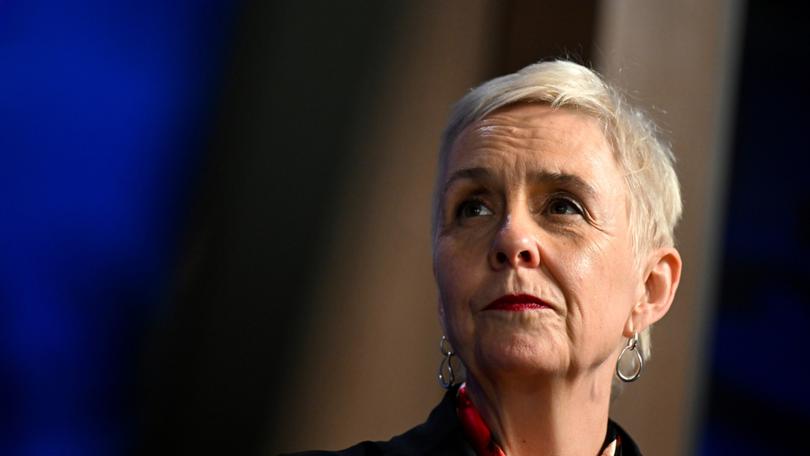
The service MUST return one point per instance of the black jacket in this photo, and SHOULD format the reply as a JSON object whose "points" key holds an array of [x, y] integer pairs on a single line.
{"points": [[442, 434]]}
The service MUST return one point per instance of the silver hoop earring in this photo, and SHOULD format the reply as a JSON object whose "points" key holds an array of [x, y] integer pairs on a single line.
{"points": [[633, 349], [446, 376]]}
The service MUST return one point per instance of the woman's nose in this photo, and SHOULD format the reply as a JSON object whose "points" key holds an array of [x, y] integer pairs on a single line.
{"points": [[514, 246]]}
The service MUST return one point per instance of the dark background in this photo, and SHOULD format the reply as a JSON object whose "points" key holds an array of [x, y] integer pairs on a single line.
{"points": [[758, 402]]}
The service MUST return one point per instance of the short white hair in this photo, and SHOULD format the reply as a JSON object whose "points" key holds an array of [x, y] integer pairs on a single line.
{"points": [[654, 203]]}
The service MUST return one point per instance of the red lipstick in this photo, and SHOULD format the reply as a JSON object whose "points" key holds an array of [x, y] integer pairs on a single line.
{"points": [[517, 303]]}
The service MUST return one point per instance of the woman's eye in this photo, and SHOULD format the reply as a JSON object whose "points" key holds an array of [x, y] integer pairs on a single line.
{"points": [[472, 208], [563, 206]]}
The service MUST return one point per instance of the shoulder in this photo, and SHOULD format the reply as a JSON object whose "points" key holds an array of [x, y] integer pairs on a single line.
{"points": [[366, 448], [441, 434]]}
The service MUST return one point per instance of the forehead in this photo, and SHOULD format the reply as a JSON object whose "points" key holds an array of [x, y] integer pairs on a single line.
{"points": [[517, 136]]}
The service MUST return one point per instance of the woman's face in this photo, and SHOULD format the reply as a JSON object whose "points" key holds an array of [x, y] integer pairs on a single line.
{"points": [[533, 255]]}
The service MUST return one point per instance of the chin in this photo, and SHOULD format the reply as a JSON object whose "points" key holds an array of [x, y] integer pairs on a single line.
{"points": [[519, 354]]}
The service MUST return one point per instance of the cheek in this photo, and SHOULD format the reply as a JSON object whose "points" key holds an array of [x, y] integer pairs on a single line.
{"points": [[599, 286], [451, 279], [574, 267], [458, 265], [457, 277], [602, 271]]}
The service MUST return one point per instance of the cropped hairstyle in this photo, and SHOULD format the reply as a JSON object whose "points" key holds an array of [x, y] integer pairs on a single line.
{"points": [[654, 203]]}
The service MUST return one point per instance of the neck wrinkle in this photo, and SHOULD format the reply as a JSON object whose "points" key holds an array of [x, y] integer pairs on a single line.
{"points": [[551, 416]]}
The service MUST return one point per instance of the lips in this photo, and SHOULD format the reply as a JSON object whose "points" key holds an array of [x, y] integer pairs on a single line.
{"points": [[517, 303]]}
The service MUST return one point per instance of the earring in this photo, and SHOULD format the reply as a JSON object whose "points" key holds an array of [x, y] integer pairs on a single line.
{"points": [[632, 348], [446, 376]]}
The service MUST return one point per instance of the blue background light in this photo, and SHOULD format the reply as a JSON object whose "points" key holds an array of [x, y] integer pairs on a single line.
{"points": [[104, 112]]}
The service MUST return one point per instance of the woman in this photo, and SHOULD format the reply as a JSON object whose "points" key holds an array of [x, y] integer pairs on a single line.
{"points": [[553, 223]]}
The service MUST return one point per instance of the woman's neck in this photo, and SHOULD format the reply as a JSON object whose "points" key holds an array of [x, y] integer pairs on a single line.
{"points": [[557, 416]]}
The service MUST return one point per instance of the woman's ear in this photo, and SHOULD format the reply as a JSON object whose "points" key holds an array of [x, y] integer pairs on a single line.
{"points": [[661, 278]]}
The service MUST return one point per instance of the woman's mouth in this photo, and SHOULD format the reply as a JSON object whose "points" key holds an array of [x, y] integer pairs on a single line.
{"points": [[517, 303]]}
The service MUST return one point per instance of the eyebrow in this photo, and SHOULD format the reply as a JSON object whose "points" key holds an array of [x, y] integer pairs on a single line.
{"points": [[538, 177]]}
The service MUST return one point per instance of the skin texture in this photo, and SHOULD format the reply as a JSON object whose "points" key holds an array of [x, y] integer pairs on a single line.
{"points": [[532, 201]]}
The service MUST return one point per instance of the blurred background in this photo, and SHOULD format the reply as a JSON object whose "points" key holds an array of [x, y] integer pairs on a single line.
{"points": [[214, 232]]}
